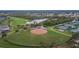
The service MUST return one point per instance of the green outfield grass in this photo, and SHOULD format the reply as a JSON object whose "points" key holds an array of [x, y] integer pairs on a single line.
{"points": [[27, 39]]}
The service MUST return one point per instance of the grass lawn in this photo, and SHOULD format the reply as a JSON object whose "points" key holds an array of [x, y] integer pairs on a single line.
{"points": [[27, 39], [4, 44], [18, 21]]}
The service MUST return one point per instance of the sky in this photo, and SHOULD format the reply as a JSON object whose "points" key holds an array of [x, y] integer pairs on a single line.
{"points": [[39, 4]]}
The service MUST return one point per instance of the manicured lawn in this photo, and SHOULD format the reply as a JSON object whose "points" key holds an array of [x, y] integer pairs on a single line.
{"points": [[5, 44], [27, 39], [18, 21]]}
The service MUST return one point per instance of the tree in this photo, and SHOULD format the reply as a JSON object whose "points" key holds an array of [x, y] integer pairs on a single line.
{"points": [[74, 40], [3, 34]]}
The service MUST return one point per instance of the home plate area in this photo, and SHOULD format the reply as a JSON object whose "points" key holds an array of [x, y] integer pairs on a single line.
{"points": [[38, 31]]}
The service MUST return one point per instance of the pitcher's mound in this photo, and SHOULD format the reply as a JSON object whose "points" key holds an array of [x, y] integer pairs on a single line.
{"points": [[38, 31]]}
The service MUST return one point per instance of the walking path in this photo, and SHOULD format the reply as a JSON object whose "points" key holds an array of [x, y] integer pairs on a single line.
{"points": [[60, 32]]}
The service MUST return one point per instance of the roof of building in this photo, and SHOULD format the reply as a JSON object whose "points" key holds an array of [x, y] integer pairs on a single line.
{"points": [[4, 27], [39, 20]]}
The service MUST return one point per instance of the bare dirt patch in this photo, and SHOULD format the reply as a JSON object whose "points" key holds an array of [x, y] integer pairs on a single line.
{"points": [[37, 31]]}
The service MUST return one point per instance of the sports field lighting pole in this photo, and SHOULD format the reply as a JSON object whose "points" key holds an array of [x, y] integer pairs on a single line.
{"points": [[8, 18]]}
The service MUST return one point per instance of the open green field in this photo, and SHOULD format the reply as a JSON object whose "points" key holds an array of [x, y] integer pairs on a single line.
{"points": [[18, 21], [26, 39]]}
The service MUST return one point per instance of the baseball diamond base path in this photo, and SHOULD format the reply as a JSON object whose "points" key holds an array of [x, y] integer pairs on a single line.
{"points": [[38, 31]]}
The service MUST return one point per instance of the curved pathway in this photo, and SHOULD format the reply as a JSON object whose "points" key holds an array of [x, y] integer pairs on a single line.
{"points": [[60, 32]]}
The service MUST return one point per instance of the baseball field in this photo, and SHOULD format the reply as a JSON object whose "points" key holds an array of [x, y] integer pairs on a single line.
{"points": [[26, 38]]}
